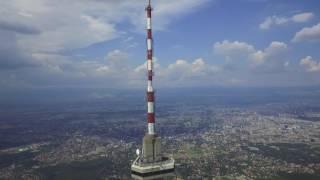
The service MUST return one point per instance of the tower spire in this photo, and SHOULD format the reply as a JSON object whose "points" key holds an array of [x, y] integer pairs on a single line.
{"points": [[150, 91]]}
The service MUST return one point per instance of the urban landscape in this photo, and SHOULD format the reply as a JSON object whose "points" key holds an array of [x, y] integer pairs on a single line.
{"points": [[97, 140]]}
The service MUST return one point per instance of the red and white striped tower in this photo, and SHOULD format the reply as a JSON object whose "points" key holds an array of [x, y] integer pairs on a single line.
{"points": [[151, 159], [150, 92]]}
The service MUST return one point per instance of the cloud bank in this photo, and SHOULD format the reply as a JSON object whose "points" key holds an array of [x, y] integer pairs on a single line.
{"points": [[310, 64], [270, 59], [311, 34], [280, 20]]}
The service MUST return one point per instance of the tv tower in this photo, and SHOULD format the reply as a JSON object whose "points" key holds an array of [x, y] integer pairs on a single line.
{"points": [[151, 160], [150, 92]]}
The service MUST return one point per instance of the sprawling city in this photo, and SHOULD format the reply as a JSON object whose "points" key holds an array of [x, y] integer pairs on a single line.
{"points": [[245, 136]]}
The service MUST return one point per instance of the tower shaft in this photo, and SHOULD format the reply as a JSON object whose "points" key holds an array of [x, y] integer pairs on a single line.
{"points": [[151, 161], [150, 91]]}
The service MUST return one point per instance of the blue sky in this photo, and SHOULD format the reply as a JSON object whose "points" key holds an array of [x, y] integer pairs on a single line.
{"points": [[101, 43]]}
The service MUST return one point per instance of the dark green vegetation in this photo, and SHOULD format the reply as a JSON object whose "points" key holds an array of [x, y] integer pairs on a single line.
{"points": [[294, 177], [95, 169], [23, 158], [291, 153]]}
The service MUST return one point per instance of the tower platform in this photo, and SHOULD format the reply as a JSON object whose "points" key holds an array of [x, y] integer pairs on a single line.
{"points": [[152, 161], [165, 165], [162, 176]]}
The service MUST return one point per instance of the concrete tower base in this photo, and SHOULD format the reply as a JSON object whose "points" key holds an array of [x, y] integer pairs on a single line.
{"points": [[151, 148], [166, 165], [162, 176], [152, 162]]}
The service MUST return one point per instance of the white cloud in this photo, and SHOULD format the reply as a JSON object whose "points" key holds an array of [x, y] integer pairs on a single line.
{"points": [[286, 64], [308, 34], [181, 70], [51, 63], [38, 30], [73, 33], [271, 21], [104, 69], [184, 73], [270, 53], [279, 20], [276, 47], [57, 70], [51, 26], [167, 10], [310, 64], [113, 66], [117, 58], [302, 17], [270, 58], [233, 48], [258, 57]]}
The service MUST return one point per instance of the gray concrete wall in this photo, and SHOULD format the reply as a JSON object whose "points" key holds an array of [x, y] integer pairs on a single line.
{"points": [[151, 149]]}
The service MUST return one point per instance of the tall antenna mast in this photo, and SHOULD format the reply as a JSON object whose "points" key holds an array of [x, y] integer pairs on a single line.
{"points": [[150, 91], [151, 160]]}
